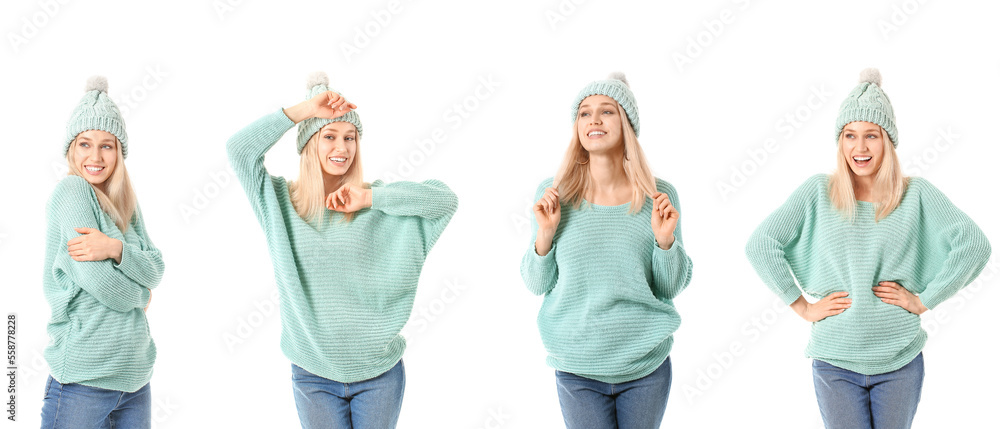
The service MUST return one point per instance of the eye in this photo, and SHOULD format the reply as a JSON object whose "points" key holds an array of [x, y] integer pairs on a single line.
{"points": [[84, 144], [872, 136], [106, 146], [848, 136], [329, 137], [349, 138], [608, 112]]}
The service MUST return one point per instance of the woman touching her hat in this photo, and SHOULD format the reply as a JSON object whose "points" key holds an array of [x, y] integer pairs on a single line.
{"points": [[346, 255]]}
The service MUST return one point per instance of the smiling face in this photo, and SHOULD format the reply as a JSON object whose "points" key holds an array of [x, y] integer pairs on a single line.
{"points": [[95, 155], [598, 124], [338, 142], [862, 147]]}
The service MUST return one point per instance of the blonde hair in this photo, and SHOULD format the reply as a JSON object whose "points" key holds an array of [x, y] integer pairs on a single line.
{"points": [[119, 201], [888, 189], [307, 194], [574, 181]]}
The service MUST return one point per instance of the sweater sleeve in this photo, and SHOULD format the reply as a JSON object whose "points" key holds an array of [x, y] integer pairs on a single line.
{"points": [[72, 206], [539, 272], [671, 268], [956, 239], [431, 200], [246, 151], [142, 263], [767, 246]]}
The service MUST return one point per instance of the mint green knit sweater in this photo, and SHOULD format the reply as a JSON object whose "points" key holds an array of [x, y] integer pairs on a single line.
{"points": [[347, 289], [98, 331], [608, 312], [926, 244]]}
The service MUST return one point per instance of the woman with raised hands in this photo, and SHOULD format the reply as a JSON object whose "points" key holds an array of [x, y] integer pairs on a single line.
{"points": [[346, 254], [608, 255]]}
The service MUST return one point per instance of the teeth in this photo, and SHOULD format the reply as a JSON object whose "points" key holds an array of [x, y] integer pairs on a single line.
{"points": [[338, 159], [596, 133], [95, 169], [862, 158]]}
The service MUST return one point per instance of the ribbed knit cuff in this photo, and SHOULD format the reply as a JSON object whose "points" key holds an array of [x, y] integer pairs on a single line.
{"points": [[126, 266], [145, 297], [929, 300], [790, 295]]}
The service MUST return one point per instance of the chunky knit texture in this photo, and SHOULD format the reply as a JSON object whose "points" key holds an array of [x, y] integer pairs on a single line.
{"points": [[347, 288], [96, 111], [616, 87], [926, 244], [867, 102], [608, 312], [318, 83], [98, 331]]}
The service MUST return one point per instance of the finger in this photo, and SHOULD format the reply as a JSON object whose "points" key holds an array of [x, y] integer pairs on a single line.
{"points": [[836, 295], [665, 207], [886, 295], [84, 230], [895, 302]]}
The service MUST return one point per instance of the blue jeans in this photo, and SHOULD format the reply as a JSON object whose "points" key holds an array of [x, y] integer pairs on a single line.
{"points": [[850, 400], [588, 403], [372, 403], [77, 406]]}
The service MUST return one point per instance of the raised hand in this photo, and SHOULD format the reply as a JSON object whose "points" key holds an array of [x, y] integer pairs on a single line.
{"points": [[327, 105], [349, 199], [664, 220], [93, 245], [893, 293], [831, 305], [547, 215]]}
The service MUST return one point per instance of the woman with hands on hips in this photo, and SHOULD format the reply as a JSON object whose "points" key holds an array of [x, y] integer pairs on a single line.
{"points": [[346, 255], [877, 249], [608, 255], [100, 267]]}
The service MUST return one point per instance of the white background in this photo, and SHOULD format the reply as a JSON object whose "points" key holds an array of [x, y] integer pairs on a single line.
{"points": [[190, 74]]}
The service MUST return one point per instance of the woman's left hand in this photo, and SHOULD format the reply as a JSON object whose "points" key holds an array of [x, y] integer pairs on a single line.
{"points": [[893, 293], [93, 245], [349, 199], [665, 217]]}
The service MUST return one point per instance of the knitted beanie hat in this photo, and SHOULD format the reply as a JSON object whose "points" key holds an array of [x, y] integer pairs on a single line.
{"points": [[616, 87], [96, 111], [867, 102], [317, 83]]}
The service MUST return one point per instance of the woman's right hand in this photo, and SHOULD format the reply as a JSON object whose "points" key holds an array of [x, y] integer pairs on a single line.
{"points": [[831, 305], [326, 105], [547, 215]]}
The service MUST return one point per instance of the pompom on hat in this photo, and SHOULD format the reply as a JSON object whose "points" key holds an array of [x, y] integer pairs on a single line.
{"points": [[317, 83], [616, 87], [96, 111], [867, 102]]}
